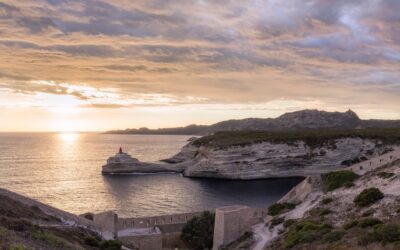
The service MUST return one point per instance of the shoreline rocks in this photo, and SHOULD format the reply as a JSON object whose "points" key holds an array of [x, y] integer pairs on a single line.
{"points": [[123, 163]]}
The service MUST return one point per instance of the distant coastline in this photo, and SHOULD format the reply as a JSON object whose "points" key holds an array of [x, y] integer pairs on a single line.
{"points": [[303, 119]]}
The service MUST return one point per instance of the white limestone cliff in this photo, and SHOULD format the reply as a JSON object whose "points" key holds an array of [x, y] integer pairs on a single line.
{"points": [[269, 160]]}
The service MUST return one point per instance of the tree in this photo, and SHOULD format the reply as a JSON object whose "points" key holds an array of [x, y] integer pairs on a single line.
{"points": [[199, 231]]}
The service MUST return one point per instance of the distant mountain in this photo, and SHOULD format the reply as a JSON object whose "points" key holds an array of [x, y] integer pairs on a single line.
{"points": [[304, 119]]}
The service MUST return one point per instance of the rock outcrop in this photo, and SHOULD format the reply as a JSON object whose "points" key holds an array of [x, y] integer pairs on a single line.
{"points": [[269, 160], [123, 163]]}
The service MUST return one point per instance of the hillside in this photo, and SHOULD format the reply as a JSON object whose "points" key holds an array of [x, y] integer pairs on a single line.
{"points": [[353, 212], [296, 120], [28, 227], [299, 120]]}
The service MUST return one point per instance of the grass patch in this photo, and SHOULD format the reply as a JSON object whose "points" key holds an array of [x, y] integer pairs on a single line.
{"points": [[337, 179], [385, 175], [333, 236], [369, 222], [313, 138], [51, 239], [368, 197], [384, 233], [279, 208], [324, 212], [305, 232], [350, 224], [288, 223], [17, 247]]}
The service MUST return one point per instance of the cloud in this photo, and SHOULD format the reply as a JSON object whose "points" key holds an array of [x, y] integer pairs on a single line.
{"points": [[218, 51]]}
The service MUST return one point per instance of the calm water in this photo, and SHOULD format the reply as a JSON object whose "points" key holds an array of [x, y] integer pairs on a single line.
{"points": [[64, 170]]}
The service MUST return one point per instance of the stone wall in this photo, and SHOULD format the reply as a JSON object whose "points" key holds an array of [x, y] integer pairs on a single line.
{"points": [[107, 221], [300, 192], [143, 222], [143, 242], [231, 223]]}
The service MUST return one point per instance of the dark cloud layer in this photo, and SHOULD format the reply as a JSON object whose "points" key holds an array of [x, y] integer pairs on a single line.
{"points": [[244, 49]]}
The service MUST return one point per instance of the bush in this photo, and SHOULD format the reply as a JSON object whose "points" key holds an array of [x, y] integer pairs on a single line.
{"points": [[279, 208], [381, 233], [17, 247], [306, 231], [337, 179], [327, 200], [50, 239], [92, 241], [288, 223], [313, 138], [388, 233], [199, 231], [325, 212], [110, 245], [350, 224], [368, 196], [367, 213], [276, 221], [385, 175], [334, 236], [369, 222]]}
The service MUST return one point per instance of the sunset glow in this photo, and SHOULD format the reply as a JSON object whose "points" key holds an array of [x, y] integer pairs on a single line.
{"points": [[95, 65]]}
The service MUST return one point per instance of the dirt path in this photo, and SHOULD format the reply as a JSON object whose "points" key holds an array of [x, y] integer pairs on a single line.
{"points": [[365, 166], [263, 235]]}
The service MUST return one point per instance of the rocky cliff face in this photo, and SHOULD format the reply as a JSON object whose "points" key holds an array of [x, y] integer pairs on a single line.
{"points": [[268, 160]]}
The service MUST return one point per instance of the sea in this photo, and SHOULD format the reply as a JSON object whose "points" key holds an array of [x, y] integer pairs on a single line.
{"points": [[64, 170]]}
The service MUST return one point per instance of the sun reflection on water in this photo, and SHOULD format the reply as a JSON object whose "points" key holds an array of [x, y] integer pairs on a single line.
{"points": [[68, 136]]}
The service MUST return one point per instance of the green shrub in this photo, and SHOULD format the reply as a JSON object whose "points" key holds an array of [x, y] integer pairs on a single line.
{"points": [[19, 225], [337, 179], [367, 213], [288, 223], [334, 236], [369, 222], [92, 241], [381, 233], [51, 239], [110, 245], [17, 247], [276, 221], [348, 184], [306, 231], [313, 138], [388, 233], [385, 175], [279, 208], [199, 231], [327, 200], [368, 196], [350, 224], [325, 211]]}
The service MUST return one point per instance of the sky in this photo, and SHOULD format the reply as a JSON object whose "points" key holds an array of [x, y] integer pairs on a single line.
{"points": [[95, 65]]}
